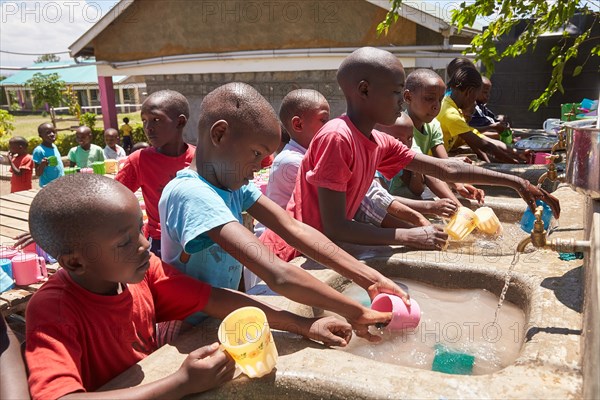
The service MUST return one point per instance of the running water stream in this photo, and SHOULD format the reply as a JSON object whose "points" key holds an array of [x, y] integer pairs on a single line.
{"points": [[506, 284]]}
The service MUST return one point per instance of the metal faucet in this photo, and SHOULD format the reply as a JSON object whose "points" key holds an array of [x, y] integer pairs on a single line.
{"points": [[539, 240], [552, 173], [561, 144]]}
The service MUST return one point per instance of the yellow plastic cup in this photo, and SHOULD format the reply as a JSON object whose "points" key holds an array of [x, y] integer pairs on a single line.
{"points": [[462, 223], [488, 221], [110, 166], [246, 336]]}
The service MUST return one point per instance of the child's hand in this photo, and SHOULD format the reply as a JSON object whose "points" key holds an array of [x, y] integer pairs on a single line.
{"points": [[44, 162], [470, 192], [386, 285], [443, 207], [430, 237], [23, 240], [530, 194], [369, 317], [331, 331], [206, 368]]}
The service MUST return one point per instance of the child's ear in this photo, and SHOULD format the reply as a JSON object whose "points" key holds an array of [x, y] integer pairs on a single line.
{"points": [[363, 88], [297, 123], [407, 96], [181, 121], [218, 131], [71, 263]]}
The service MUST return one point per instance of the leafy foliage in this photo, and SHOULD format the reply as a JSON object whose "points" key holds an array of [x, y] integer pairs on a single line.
{"points": [[47, 58], [541, 16], [6, 126], [47, 89], [88, 119]]}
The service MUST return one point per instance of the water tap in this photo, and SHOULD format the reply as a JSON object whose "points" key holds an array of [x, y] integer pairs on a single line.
{"points": [[561, 144], [552, 173], [539, 240]]}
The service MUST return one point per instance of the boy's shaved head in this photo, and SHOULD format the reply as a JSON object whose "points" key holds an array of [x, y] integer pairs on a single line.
{"points": [[419, 78], [44, 127], [365, 63], [297, 102], [237, 103], [58, 222], [170, 101]]}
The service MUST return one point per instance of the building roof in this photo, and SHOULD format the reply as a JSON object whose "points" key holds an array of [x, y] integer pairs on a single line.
{"points": [[71, 73], [133, 11]]}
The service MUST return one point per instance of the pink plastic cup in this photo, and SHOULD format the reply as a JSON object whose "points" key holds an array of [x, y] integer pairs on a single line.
{"points": [[403, 317], [8, 252], [540, 158], [28, 268]]}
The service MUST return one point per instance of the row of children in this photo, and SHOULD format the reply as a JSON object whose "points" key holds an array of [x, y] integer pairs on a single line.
{"points": [[46, 159], [95, 317]]}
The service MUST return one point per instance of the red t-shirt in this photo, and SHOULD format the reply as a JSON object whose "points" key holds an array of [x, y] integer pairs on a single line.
{"points": [[342, 159], [151, 171], [22, 182], [78, 340]]}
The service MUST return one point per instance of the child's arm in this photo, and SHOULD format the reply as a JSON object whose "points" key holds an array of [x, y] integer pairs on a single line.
{"points": [[203, 369], [39, 168], [492, 147], [414, 182], [465, 190], [294, 282], [461, 172], [320, 248], [13, 167], [332, 205], [440, 189], [12, 367], [398, 213], [331, 331]]}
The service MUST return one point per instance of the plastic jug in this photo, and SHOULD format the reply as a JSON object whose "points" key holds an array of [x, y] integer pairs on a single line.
{"points": [[462, 223], [506, 136], [403, 317], [246, 336], [488, 221], [28, 268], [110, 166], [528, 218], [98, 167]]}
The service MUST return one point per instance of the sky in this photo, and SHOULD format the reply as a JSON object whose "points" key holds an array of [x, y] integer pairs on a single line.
{"points": [[47, 26]]}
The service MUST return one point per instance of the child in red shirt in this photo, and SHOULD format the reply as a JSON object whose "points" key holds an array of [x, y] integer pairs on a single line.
{"points": [[95, 317], [21, 164], [164, 115]]}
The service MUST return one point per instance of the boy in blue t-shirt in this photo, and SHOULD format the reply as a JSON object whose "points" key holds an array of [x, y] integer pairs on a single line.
{"points": [[48, 164], [201, 222]]}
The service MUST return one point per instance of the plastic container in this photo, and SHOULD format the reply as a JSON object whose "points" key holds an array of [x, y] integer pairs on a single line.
{"points": [[541, 158], [8, 252], [6, 275], [28, 268], [506, 136], [98, 167], [488, 221], [52, 161], [462, 223], [452, 361], [529, 218], [403, 317], [246, 336], [110, 166], [70, 170], [86, 170]]}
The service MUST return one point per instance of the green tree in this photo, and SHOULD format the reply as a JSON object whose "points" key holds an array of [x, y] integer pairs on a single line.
{"points": [[6, 120], [47, 90], [541, 16], [47, 58]]}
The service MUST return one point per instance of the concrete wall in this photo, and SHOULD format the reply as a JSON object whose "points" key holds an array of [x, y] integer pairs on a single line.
{"points": [[273, 85], [155, 28], [591, 313]]}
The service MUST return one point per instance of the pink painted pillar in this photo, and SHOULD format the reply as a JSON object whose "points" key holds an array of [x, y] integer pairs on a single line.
{"points": [[107, 101]]}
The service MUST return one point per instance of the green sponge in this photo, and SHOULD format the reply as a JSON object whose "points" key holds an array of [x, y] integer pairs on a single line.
{"points": [[452, 362]]}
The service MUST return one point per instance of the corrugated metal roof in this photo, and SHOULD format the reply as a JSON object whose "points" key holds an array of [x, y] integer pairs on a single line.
{"points": [[69, 72]]}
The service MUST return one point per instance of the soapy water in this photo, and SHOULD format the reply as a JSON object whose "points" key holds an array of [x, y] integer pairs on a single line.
{"points": [[460, 319]]}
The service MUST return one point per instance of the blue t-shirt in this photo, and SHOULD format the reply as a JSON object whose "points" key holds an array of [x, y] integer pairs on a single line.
{"points": [[50, 173], [189, 207]]}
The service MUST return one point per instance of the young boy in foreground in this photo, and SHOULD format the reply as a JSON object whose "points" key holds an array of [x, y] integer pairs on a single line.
{"points": [[96, 316]]}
